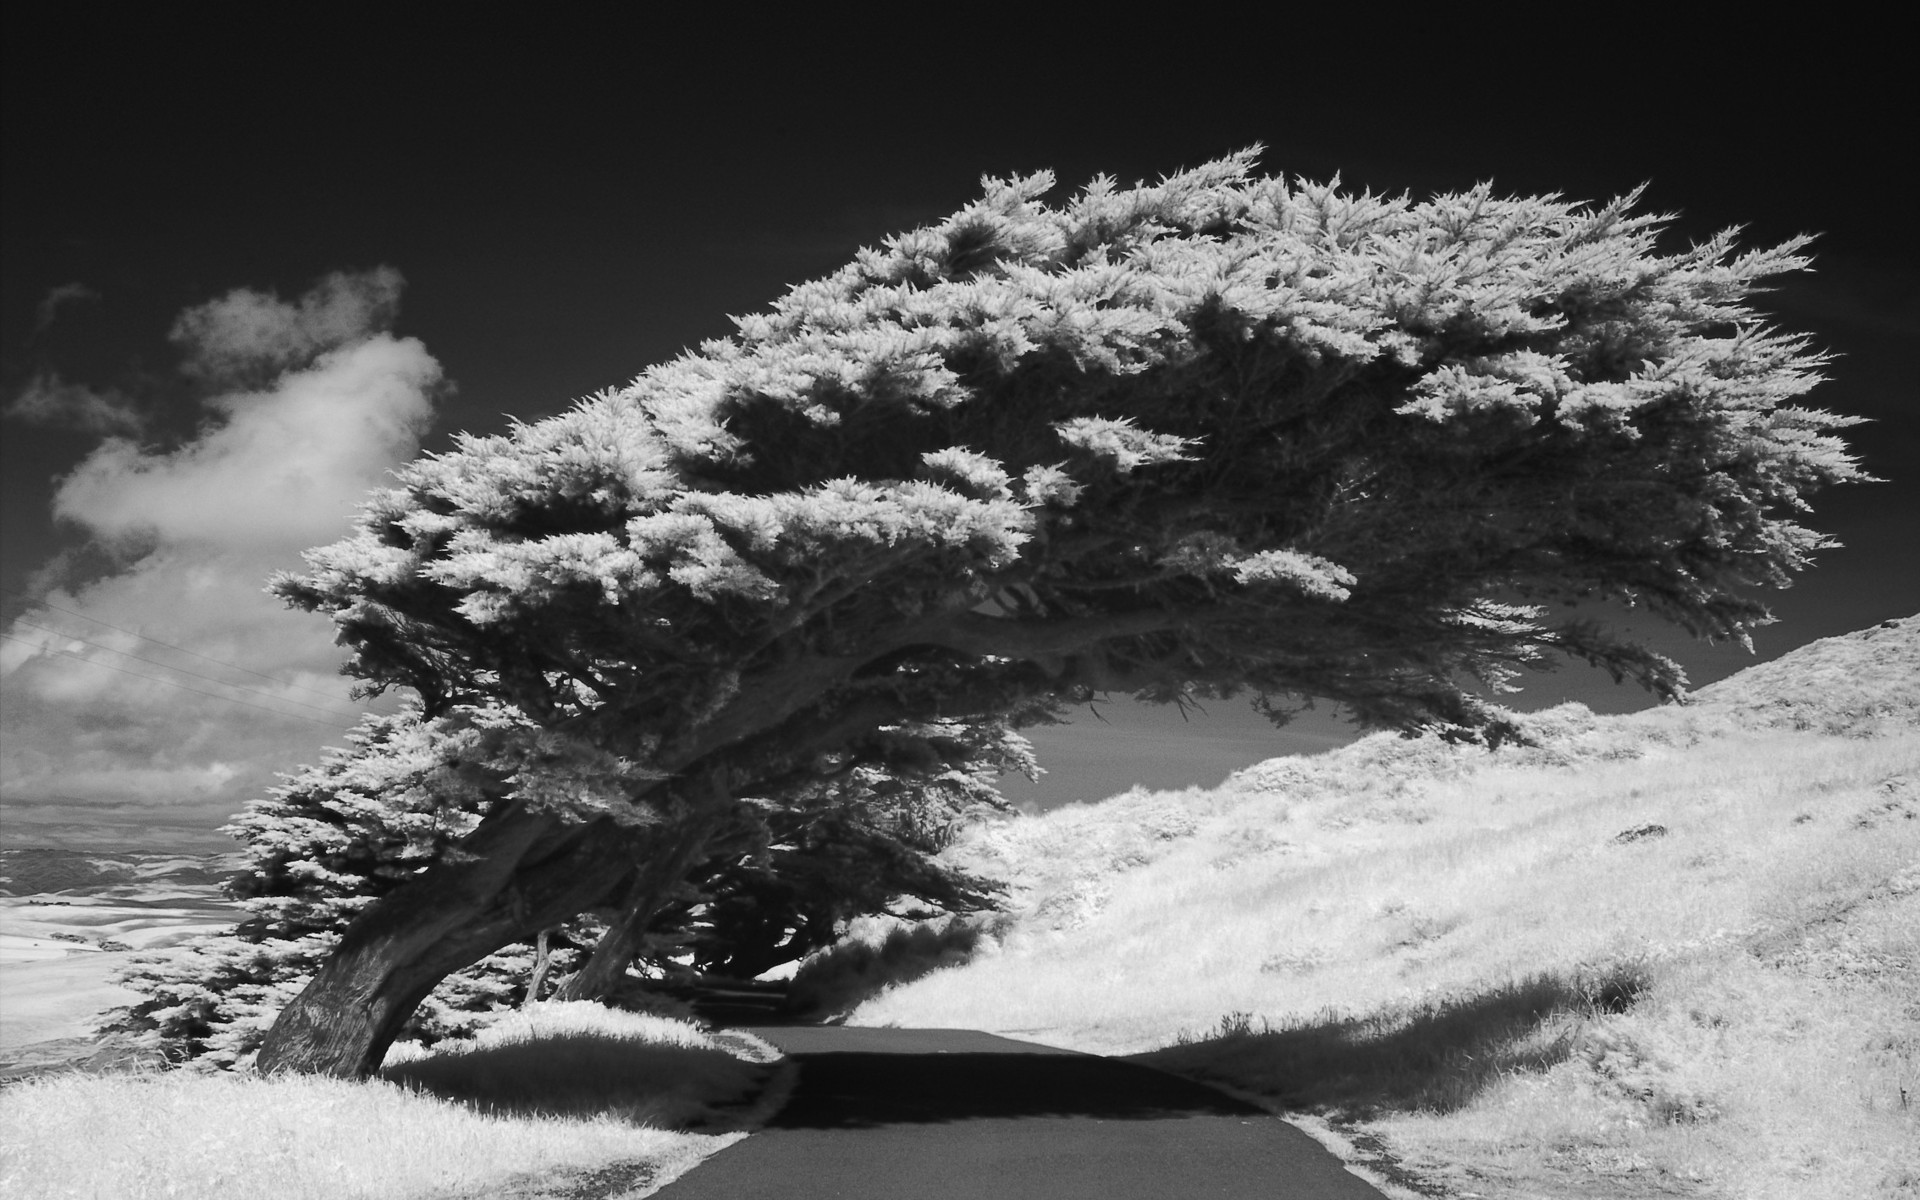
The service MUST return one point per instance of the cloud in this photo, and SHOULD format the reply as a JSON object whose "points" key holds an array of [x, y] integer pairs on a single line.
{"points": [[281, 467], [123, 717], [50, 400], [172, 680], [66, 293], [245, 334]]}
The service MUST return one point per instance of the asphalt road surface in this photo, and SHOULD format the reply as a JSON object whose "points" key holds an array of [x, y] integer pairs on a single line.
{"points": [[952, 1114]]}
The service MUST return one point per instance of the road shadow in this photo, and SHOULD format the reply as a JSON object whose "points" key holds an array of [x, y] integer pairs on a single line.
{"points": [[1436, 1057], [586, 1075], [854, 1089], [954, 1114]]}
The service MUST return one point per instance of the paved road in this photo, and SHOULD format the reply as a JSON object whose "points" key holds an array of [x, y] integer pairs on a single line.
{"points": [[948, 1114]]}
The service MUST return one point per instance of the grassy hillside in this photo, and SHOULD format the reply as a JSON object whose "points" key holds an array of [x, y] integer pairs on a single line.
{"points": [[561, 1099], [1671, 953]]}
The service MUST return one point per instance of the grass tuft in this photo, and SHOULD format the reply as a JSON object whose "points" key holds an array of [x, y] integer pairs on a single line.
{"points": [[587, 1060]]}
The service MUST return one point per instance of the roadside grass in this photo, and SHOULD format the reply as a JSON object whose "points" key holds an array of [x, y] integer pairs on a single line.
{"points": [[586, 1060], [1437, 1056], [1676, 953], [577, 1098], [1731, 1077]]}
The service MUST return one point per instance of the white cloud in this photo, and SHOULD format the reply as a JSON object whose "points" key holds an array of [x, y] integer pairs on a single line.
{"points": [[50, 400], [122, 717], [245, 333], [174, 681], [286, 465]]}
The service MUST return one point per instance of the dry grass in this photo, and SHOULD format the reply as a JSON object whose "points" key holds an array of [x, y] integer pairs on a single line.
{"points": [[585, 1060], [1673, 953], [544, 1103]]}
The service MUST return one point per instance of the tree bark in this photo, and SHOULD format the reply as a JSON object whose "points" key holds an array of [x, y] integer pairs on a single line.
{"points": [[518, 873], [667, 864], [542, 960]]}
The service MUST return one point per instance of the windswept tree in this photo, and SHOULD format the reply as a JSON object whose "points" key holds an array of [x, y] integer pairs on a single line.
{"points": [[1221, 434]]}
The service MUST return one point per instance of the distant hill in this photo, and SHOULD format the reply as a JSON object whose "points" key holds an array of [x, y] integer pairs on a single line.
{"points": [[61, 822], [1855, 685], [75, 872]]}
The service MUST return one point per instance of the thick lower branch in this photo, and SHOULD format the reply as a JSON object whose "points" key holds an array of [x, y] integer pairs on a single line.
{"points": [[671, 855], [518, 873], [769, 700]]}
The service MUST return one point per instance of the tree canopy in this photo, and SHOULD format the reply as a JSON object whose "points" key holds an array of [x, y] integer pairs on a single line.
{"points": [[1223, 433]]}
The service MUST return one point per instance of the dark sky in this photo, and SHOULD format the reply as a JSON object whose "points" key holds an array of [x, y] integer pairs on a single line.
{"points": [[571, 201]]}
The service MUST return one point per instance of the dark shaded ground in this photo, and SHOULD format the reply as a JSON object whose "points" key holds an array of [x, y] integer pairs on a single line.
{"points": [[1436, 1057], [917, 1114]]}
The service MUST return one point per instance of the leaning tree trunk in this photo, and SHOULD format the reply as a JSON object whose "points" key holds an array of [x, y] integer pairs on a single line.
{"points": [[542, 961], [666, 864], [518, 873]]}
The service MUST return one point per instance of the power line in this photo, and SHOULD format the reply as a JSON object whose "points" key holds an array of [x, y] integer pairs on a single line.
{"points": [[183, 650], [170, 667], [172, 684]]}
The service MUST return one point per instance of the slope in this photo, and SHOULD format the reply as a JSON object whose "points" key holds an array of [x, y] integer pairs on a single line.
{"points": [[1675, 952]]}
